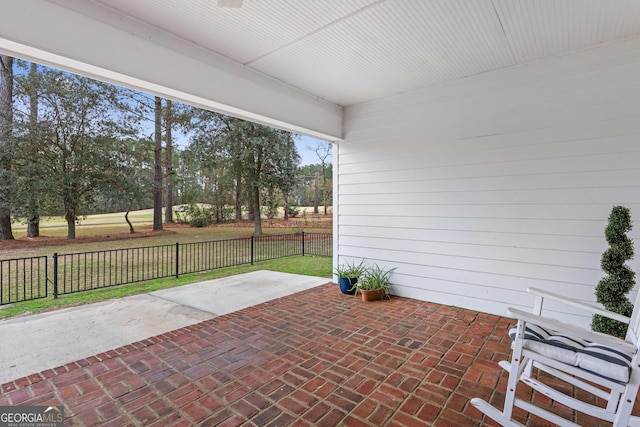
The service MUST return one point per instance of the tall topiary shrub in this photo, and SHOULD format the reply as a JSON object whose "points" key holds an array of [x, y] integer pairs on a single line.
{"points": [[612, 290]]}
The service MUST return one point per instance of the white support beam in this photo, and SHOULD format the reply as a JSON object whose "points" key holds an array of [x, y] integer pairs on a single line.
{"points": [[88, 39]]}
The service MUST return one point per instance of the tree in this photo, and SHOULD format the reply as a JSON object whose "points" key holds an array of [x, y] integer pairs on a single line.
{"points": [[130, 182], [80, 151], [612, 290], [323, 151], [31, 192], [168, 210], [145, 108], [289, 172], [219, 175], [257, 157], [305, 190], [189, 177], [269, 159], [6, 133], [29, 180], [157, 174], [315, 192], [33, 210]]}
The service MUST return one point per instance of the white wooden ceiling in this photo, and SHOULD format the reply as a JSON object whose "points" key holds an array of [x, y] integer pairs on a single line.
{"points": [[295, 64], [354, 51]]}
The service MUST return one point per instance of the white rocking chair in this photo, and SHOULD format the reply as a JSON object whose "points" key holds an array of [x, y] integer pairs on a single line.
{"points": [[604, 366]]}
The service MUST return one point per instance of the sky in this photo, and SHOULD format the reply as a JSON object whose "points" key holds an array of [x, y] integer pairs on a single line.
{"points": [[309, 157]]}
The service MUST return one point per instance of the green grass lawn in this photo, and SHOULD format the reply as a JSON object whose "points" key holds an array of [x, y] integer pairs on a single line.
{"points": [[113, 224], [171, 236]]}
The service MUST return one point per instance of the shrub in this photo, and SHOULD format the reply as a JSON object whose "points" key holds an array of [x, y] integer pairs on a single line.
{"points": [[612, 289], [293, 210], [200, 217], [181, 217]]}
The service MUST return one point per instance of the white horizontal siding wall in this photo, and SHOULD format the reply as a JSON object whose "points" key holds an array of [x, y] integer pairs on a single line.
{"points": [[484, 187]]}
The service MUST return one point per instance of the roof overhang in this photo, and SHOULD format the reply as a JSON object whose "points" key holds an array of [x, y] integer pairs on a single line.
{"points": [[46, 33], [295, 64]]}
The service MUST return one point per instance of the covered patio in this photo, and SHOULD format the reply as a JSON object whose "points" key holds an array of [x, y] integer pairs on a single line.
{"points": [[314, 358], [478, 149], [479, 146]]}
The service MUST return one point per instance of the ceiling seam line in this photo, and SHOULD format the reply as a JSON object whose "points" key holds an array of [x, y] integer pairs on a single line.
{"points": [[506, 38], [317, 30]]}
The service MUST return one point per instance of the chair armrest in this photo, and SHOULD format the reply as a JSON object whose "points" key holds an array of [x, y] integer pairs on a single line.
{"points": [[592, 308], [572, 330]]}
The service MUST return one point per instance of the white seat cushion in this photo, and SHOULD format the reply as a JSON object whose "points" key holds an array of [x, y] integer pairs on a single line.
{"points": [[596, 358]]}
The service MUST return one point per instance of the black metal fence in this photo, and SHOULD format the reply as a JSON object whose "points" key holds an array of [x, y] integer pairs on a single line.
{"points": [[24, 279], [85, 271]]}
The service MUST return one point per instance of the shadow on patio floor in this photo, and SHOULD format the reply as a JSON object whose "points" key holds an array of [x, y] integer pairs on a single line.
{"points": [[315, 358]]}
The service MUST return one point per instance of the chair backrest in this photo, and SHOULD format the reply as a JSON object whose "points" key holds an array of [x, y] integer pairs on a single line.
{"points": [[633, 333]]}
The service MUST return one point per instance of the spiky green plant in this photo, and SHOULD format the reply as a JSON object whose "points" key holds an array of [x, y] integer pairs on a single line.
{"points": [[619, 280], [375, 277], [351, 270]]}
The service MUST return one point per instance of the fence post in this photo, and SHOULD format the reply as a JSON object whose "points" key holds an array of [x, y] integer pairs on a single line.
{"points": [[55, 275], [303, 243], [252, 250], [177, 259]]}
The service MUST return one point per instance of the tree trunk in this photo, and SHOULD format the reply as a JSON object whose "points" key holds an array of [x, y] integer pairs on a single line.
{"points": [[33, 225], [324, 187], [315, 195], [250, 209], [168, 211], [239, 195], [5, 228], [6, 132], [256, 212], [126, 218], [322, 151], [157, 173], [70, 217], [286, 208], [33, 208]]}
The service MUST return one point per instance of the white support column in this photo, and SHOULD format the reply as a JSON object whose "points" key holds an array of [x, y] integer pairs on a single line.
{"points": [[335, 155]]}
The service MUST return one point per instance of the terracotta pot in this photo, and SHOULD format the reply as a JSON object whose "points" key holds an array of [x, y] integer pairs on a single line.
{"points": [[372, 294]]}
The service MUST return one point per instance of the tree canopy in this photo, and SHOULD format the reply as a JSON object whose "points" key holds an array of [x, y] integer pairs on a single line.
{"points": [[72, 146], [244, 155], [78, 148]]}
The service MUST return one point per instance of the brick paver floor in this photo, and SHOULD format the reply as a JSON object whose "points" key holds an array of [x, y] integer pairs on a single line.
{"points": [[315, 358]]}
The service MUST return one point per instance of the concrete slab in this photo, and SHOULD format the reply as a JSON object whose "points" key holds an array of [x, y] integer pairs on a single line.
{"points": [[222, 296], [43, 341]]}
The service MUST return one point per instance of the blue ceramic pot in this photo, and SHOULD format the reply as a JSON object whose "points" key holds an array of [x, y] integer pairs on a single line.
{"points": [[346, 284]]}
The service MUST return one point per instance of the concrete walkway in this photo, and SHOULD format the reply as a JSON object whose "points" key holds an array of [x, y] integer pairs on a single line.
{"points": [[35, 343]]}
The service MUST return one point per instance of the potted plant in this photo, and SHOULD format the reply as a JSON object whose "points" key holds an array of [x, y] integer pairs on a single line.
{"points": [[348, 274], [374, 284], [619, 280]]}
